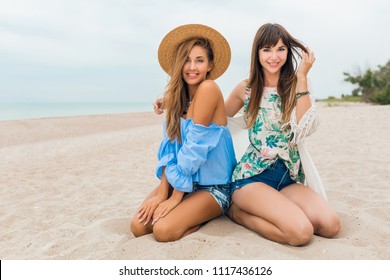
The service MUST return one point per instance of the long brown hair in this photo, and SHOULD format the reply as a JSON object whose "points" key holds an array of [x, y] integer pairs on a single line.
{"points": [[268, 35], [176, 92]]}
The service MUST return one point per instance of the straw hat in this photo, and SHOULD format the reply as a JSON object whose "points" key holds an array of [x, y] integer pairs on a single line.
{"points": [[220, 46]]}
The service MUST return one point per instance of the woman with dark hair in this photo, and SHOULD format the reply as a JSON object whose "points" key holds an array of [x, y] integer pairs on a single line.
{"points": [[268, 191]]}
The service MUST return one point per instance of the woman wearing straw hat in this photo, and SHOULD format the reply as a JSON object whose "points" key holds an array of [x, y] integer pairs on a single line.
{"points": [[194, 182]]}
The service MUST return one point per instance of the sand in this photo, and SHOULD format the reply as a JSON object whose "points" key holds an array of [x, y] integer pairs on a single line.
{"points": [[69, 187]]}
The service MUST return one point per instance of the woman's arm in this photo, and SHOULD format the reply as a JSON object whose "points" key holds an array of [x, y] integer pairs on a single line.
{"points": [[235, 100], [207, 105], [304, 117], [148, 207], [166, 206], [158, 106], [304, 102]]}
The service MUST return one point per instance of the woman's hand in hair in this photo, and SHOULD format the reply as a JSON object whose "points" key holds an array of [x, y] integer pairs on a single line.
{"points": [[307, 61]]}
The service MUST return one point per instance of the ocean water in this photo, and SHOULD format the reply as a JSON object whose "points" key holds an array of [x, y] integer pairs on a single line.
{"points": [[19, 111]]}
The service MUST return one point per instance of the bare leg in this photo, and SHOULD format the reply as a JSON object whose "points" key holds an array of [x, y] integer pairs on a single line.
{"points": [[137, 228], [271, 214], [195, 209], [324, 219]]}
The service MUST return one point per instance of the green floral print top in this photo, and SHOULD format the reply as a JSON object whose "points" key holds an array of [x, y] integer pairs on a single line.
{"points": [[268, 141]]}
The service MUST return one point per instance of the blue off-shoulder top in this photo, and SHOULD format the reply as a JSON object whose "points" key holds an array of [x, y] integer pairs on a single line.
{"points": [[204, 156]]}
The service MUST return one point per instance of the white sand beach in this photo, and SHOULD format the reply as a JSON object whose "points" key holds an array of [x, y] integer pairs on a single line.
{"points": [[69, 187]]}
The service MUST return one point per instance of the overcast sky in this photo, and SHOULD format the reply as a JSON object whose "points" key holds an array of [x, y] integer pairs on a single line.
{"points": [[106, 50]]}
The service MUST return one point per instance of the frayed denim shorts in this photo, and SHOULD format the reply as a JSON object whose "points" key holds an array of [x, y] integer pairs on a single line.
{"points": [[276, 176], [221, 194]]}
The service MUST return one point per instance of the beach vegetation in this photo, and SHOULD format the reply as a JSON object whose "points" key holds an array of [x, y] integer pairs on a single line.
{"points": [[373, 85], [343, 100]]}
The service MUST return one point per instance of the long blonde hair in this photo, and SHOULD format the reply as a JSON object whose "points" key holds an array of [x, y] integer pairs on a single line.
{"points": [[268, 35], [176, 92]]}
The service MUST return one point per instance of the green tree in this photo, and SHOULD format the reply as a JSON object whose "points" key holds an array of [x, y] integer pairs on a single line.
{"points": [[373, 85]]}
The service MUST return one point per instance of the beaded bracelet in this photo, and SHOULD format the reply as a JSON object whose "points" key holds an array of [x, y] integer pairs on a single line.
{"points": [[300, 94]]}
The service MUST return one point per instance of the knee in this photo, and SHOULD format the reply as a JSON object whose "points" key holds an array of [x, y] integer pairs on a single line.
{"points": [[300, 235], [163, 232], [137, 228], [330, 227]]}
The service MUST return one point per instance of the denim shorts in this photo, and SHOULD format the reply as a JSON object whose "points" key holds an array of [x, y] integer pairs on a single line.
{"points": [[276, 176], [221, 194]]}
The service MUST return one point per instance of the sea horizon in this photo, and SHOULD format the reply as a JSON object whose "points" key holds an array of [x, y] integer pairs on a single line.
{"points": [[34, 110]]}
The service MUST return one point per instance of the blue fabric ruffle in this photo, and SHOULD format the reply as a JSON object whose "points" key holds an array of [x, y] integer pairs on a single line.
{"points": [[183, 161]]}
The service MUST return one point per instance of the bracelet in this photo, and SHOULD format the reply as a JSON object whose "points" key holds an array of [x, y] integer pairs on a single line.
{"points": [[300, 94]]}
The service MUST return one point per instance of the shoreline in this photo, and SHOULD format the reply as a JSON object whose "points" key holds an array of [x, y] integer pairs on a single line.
{"points": [[37, 110], [15, 132]]}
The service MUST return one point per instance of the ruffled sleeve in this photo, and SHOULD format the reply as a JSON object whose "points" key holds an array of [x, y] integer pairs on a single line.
{"points": [[306, 126], [183, 161], [166, 153]]}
